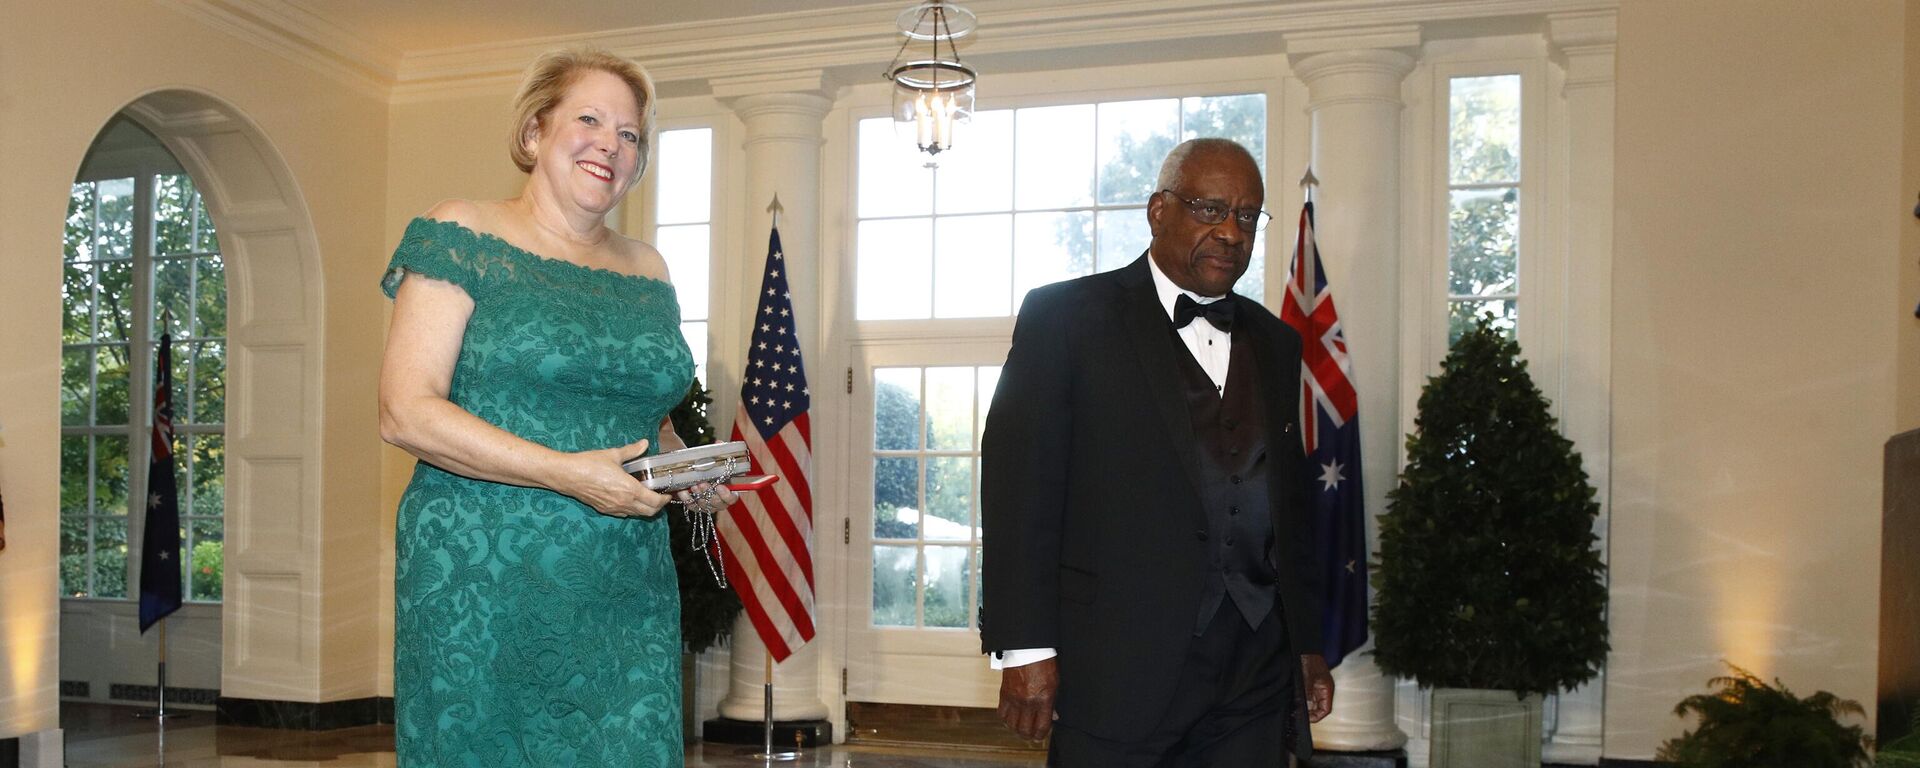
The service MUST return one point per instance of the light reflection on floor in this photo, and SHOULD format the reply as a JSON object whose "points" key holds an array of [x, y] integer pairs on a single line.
{"points": [[108, 737]]}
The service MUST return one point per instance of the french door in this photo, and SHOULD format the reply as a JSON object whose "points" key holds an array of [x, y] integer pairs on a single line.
{"points": [[914, 535]]}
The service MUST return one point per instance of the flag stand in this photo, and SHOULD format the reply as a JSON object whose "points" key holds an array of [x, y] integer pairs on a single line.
{"points": [[160, 713], [766, 753]]}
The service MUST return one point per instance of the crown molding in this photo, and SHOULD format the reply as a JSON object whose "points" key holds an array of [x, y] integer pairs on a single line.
{"points": [[696, 54], [301, 37]]}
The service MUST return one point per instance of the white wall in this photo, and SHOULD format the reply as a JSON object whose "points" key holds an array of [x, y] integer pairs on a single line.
{"points": [[1755, 320], [68, 68]]}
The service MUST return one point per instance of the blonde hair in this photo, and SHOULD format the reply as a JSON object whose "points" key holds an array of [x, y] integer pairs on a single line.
{"points": [[546, 84]]}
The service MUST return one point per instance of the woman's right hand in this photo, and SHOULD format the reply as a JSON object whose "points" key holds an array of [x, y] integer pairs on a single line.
{"points": [[596, 479]]}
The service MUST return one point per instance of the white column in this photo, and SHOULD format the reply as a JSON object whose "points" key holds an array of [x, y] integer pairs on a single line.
{"points": [[1353, 80], [783, 118], [1584, 45]]}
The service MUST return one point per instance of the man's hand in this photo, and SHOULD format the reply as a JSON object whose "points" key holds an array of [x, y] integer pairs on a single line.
{"points": [[1026, 697], [1319, 685]]}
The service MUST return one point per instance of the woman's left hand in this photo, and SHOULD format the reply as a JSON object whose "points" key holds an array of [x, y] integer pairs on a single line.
{"points": [[720, 500]]}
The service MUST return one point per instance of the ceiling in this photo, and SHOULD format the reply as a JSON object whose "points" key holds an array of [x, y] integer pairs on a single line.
{"points": [[419, 25]]}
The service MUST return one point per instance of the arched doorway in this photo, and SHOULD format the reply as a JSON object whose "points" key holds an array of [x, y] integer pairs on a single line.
{"points": [[261, 426]]}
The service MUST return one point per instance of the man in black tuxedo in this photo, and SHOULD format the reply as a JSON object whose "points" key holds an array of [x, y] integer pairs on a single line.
{"points": [[1148, 588]]}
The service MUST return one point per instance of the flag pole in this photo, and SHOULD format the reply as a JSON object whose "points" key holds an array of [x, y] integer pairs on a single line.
{"points": [[766, 754]]}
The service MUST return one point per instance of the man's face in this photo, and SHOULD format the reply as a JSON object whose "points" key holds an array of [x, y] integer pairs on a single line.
{"points": [[1205, 258]]}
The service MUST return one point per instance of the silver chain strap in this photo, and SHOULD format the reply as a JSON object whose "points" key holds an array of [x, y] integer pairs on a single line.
{"points": [[701, 518]]}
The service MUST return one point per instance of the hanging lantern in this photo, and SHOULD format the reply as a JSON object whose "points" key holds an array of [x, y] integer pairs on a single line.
{"points": [[932, 95]]}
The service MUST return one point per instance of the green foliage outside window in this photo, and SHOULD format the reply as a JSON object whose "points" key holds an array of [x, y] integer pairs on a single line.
{"points": [[98, 394]]}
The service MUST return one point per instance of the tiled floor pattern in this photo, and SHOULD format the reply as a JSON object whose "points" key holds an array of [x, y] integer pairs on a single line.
{"points": [[108, 737]]}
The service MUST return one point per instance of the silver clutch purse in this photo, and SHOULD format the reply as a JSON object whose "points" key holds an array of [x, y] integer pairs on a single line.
{"points": [[682, 469]]}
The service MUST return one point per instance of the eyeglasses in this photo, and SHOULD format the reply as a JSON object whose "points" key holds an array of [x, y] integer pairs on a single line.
{"points": [[1211, 212]]}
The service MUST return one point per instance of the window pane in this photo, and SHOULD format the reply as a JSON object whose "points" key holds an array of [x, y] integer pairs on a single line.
{"points": [[1253, 284], [76, 300], [1050, 247], [110, 405], [1134, 137], [76, 389], [210, 297], [949, 409], [949, 569], [1484, 129], [896, 409], [115, 304], [208, 559], [1461, 316], [1483, 255], [1123, 237], [686, 176], [207, 240], [895, 267], [894, 180], [977, 173], [173, 214], [209, 476], [893, 586], [109, 557], [173, 293], [696, 335], [896, 498], [73, 556], [116, 219], [77, 238], [110, 488], [686, 250], [973, 266], [209, 392], [1242, 118], [989, 378], [1053, 166], [73, 475], [949, 489]]}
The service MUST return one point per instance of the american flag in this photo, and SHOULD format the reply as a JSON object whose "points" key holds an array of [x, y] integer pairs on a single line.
{"points": [[160, 544], [767, 538], [1330, 433]]}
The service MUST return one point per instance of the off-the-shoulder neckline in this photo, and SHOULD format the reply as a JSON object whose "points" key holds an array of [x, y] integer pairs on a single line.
{"points": [[561, 263]]}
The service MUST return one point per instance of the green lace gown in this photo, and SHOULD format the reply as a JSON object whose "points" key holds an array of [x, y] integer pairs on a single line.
{"points": [[530, 630]]}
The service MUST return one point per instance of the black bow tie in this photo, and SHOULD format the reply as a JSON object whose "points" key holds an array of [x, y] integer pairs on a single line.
{"points": [[1219, 313]]}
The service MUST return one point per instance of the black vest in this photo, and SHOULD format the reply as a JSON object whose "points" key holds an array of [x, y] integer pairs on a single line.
{"points": [[1230, 432]]}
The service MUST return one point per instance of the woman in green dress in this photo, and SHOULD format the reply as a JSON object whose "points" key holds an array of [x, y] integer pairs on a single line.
{"points": [[532, 350]]}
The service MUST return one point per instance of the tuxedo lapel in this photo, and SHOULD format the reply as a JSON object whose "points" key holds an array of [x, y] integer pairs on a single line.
{"points": [[1148, 330]]}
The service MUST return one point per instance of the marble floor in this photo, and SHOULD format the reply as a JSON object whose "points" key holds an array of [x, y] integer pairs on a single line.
{"points": [[101, 736]]}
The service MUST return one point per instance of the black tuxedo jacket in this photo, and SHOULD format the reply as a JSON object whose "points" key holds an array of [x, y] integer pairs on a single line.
{"points": [[1093, 526]]}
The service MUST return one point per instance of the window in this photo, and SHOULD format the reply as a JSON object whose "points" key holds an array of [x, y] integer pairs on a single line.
{"points": [[1483, 213], [1026, 197], [683, 214], [926, 515], [139, 250]]}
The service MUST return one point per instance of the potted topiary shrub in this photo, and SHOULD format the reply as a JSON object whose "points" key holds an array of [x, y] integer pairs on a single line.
{"points": [[1749, 724], [1490, 589], [707, 610]]}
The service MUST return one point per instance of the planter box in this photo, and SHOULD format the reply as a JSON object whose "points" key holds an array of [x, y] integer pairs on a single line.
{"points": [[1485, 729]]}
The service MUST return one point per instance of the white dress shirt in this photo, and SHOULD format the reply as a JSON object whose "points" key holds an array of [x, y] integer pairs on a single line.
{"points": [[1211, 347]]}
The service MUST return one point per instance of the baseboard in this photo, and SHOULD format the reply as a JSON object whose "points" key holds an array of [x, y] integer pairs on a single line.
{"points": [[1612, 762], [304, 715], [804, 734], [1396, 758]]}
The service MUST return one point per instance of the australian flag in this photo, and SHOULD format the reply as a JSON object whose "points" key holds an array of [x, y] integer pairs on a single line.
{"points": [[1330, 432], [160, 544]]}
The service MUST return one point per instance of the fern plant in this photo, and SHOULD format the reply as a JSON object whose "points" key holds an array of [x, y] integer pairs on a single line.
{"points": [[1747, 723]]}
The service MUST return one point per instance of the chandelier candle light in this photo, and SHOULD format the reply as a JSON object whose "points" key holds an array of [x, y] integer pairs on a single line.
{"points": [[934, 93]]}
